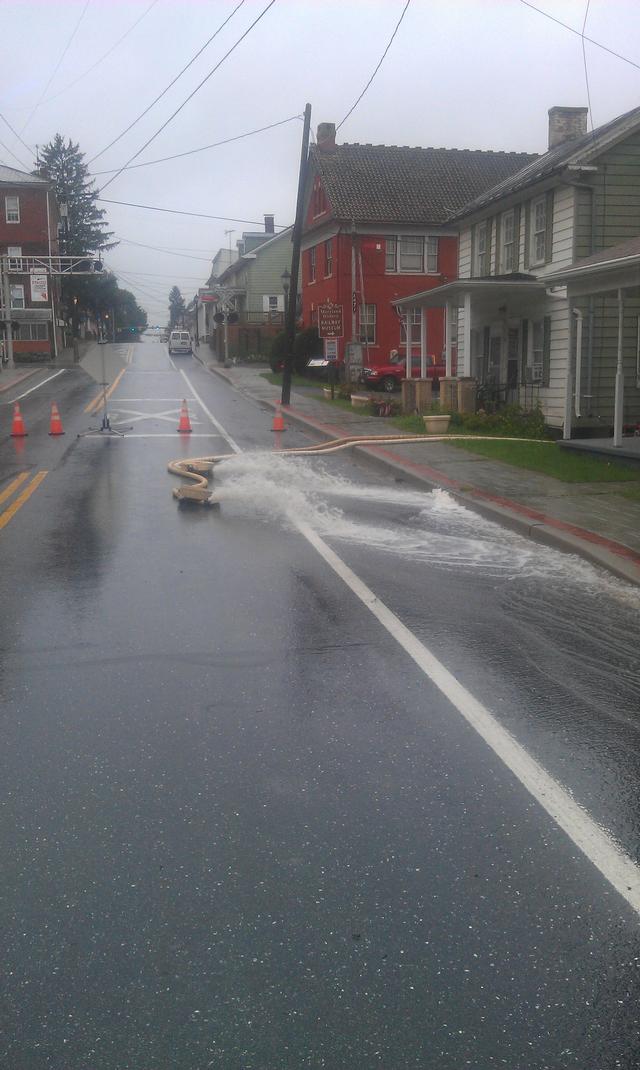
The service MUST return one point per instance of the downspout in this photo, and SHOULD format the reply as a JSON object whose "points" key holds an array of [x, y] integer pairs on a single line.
{"points": [[578, 384]]}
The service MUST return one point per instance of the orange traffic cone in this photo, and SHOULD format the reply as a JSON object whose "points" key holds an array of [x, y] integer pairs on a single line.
{"points": [[17, 427], [56, 422], [185, 422], [278, 420]]}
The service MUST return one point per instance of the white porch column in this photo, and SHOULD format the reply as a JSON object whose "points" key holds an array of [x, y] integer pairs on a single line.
{"points": [[423, 345], [466, 356], [407, 362], [448, 316], [619, 389]]}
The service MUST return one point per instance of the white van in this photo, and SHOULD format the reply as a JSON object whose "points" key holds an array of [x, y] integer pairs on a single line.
{"points": [[180, 342]]}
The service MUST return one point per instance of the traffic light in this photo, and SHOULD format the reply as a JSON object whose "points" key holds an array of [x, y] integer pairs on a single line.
{"points": [[218, 317], [232, 317]]}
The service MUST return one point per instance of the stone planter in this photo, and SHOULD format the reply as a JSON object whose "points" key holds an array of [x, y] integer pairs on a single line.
{"points": [[326, 390], [360, 401], [436, 425]]}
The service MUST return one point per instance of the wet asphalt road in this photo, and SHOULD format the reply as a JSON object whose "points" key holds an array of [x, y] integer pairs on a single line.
{"points": [[241, 829]]}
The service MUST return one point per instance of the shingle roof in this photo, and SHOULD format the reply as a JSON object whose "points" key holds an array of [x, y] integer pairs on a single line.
{"points": [[630, 247], [19, 178], [392, 184], [549, 163]]}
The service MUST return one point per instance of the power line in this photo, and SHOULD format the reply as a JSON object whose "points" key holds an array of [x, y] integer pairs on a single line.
{"points": [[16, 134], [163, 275], [380, 62], [193, 93], [171, 83], [12, 153], [57, 66], [105, 55], [171, 252], [190, 152], [196, 215], [584, 60], [591, 41]]}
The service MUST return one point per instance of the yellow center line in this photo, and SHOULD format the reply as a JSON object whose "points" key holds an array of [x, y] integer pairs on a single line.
{"points": [[21, 499], [8, 491], [94, 405]]}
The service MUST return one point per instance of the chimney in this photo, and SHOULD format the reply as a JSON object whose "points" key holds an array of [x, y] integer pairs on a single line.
{"points": [[565, 124], [326, 137], [268, 224]]}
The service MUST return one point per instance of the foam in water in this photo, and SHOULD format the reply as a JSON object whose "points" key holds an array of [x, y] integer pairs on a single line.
{"points": [[421, 526]]}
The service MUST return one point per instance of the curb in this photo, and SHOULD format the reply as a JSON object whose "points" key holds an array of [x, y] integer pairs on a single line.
{"points": [[613, 556]]}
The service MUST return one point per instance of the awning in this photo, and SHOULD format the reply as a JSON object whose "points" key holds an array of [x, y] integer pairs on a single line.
{"points": [[454, 292]]}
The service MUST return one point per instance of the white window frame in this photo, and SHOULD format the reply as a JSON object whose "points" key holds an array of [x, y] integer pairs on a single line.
{"points": [[481, 256], [32, 332], [538, 231], [431, 254], [367, 324], [403, 254], [15, 287], [14, 254], [9, 211], [312, 264], [535, 352], [328, 258], [391, 255], [508, 255], [416, 328]]}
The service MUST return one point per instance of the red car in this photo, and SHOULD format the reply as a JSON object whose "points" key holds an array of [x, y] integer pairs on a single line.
{"points": [[389, 376]]}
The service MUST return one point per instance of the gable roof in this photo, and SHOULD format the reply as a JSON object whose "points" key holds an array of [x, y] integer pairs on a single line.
{"points": [[13, 177], [575, 151], [242, 261], [392, 184], [624, 254]]}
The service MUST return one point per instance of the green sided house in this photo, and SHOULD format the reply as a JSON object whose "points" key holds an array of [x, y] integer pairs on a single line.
{"points": [[526, 330]]}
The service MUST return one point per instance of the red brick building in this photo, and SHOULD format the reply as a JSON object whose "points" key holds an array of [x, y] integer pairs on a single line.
{"points": [[29, 227], [376, 230]]}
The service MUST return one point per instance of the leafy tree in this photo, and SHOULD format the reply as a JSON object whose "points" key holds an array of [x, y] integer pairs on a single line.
{"points": [[307, 344], [176, 307]]}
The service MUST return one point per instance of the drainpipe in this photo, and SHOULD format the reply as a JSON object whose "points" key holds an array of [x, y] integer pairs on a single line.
{"points": [[578, 387], [619, 389]]}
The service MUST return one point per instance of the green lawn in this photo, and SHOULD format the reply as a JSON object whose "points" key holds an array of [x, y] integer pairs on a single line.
{"points": [[551, 460], [296, 380]]}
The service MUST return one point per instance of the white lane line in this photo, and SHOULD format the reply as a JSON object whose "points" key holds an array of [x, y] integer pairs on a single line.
{"points": [[234, 445], [172, 364], [48, 380], [179, 400], [159, 434], [594, 842], [598, 846]]}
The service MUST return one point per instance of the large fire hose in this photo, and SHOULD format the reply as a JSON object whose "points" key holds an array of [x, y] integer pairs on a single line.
{"points": [[199, 470]]}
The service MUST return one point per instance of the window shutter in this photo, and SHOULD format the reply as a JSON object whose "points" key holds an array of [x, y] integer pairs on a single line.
{"points": [[265, 302], [546, 352], [498, 268], [516, 238], [486, 349], [527, 235], [473, 251], [524, 342], [548, 240], [488, 245]]}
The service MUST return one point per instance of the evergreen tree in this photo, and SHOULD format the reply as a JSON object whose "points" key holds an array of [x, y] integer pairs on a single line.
{"points": [[85, 230], [176, 307]]}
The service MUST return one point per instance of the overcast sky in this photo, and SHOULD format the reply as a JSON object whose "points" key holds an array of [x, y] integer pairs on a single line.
{"points": [[461, 74]]}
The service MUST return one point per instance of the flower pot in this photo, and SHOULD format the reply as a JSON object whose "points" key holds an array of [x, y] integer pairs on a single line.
{"points": [[326, 390], [436, 425], [360, 401]]}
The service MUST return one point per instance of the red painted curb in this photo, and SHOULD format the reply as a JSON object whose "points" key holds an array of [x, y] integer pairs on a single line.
{"points": [[592, 537], [16, 382]]}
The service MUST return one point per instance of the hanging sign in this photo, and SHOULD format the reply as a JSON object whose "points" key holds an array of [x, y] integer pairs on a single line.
{"points": [[330, 321], [39, 288]]}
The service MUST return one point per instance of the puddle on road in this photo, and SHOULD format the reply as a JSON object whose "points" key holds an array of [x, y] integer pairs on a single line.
{"points": [[419, 526]]}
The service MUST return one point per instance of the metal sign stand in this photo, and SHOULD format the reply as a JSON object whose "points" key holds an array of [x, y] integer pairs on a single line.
{"points": [[105, 427]]}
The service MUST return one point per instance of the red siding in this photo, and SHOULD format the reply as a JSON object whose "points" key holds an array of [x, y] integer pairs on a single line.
{"points": [[32, 235], [379, 289]]}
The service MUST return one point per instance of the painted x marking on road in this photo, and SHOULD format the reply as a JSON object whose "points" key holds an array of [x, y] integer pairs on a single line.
{"points": [[133, 416]]}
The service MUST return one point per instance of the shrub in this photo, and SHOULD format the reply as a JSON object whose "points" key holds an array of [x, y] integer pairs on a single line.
{"points": [[307, 344], [278, 351], [512, 420]]}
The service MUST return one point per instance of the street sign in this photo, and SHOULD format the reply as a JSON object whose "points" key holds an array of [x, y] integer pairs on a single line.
{"points": [[330, 320], [208, 296], [39, 287]]}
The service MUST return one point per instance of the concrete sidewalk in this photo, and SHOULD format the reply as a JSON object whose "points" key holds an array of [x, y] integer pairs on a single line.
{"points": [[594, 520]]}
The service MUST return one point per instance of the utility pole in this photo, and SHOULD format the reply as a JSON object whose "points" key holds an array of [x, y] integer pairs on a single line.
{"points": [[6, 301], [292, 303]]}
